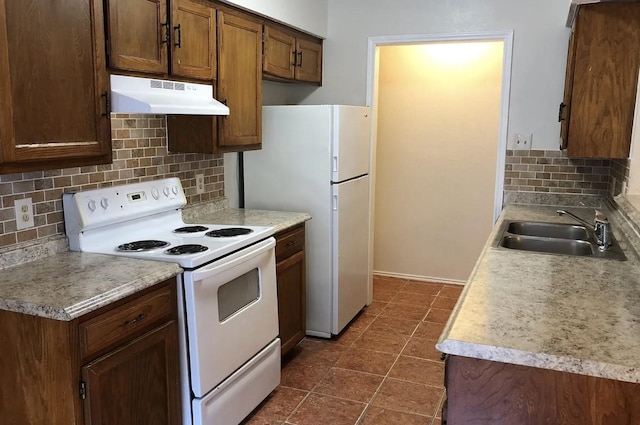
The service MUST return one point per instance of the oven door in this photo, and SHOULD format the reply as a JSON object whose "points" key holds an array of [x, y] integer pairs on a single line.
{"points": [[231, 309]]}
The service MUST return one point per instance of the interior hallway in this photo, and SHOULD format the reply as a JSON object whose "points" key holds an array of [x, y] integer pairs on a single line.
{"points": [[382, 369]]}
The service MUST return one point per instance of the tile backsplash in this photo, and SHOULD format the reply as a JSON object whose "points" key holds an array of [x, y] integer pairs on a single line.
{"points": [[552, 172], [139, 153]]}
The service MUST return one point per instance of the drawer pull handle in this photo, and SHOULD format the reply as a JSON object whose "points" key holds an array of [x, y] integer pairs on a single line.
{"points": [[292, 243], [135, 320]]}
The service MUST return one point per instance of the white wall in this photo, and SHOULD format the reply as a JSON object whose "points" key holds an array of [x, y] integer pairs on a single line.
{"points": [[539, 52], [306, 15]]}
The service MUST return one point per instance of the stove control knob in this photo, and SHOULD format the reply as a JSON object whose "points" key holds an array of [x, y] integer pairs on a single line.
{"points": [[155, 193], [104, 203], [165, 190], [91, 205], [174, 189]]}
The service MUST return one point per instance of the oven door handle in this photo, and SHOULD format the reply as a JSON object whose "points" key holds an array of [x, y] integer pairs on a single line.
{"points": [[234, 260]]}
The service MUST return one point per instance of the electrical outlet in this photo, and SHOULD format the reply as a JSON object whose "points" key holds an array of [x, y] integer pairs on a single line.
{"points": [[522, 141], [199, 183], [24, 213]]}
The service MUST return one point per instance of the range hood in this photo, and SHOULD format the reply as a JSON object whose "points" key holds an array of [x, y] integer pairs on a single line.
{"points": [[153, 96]]}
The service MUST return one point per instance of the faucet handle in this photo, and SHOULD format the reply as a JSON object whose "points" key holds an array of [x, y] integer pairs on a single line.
{"points": [[601, 218]]}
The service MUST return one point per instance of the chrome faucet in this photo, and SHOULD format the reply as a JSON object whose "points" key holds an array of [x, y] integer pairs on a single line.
{"points": [[601, 228]]}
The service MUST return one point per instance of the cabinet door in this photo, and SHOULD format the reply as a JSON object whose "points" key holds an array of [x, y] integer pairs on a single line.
{"points": [[138, 35], [309, 61], [291, 300], [605, 79], [240, 82], [136, 384], [279, 53], [194, 39], [53, 85], [564, 114]]}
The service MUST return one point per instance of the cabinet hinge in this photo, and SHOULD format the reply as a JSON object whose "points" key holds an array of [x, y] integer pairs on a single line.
{"points": [[83, 390]]}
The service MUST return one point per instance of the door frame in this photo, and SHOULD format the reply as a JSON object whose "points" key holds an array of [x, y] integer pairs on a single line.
{"points": [[372, 82]]}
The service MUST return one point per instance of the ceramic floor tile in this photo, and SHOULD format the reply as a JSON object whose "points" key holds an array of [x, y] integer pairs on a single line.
{"points": [[408, 397], [383, 295], [367, 361], [279, 405], [375, 307], [388, 283], [386, 342], [259, 420], [417, 370], [422, 348], [349, 384], [421, 300], [423, 288], [303, 374], [429, 330], [438, 315], [379, 416], [451, 291], [405, 311], [444, 303], [318, 350], [394, 325], [318, 409]]}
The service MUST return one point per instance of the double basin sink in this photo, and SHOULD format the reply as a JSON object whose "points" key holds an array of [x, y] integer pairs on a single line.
{"points": [[555, 238]]}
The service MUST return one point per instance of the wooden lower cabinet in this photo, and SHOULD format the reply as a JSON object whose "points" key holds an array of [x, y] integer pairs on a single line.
{"points": [[50, 375], [483, 392], [291, 275]]}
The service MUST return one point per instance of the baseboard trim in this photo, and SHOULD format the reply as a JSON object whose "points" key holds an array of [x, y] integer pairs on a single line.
{"points": [[419, 278]]}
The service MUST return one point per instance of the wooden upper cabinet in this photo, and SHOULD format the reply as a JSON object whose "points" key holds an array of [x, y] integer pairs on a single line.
{"points": [[137, 35], [240, 81], [602, 79], [280, 56], [291, 57], [194, 39], [309, 63], [142, 38], [53, 84]]}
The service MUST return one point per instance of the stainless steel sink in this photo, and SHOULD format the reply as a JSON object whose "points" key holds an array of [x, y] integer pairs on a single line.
{"points": [[555, 238], [549, 230]]}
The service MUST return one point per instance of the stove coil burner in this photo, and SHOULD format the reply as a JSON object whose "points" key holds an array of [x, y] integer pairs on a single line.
{"points": [[228, 232], [139, 246], [186, 249], [190, 229]]}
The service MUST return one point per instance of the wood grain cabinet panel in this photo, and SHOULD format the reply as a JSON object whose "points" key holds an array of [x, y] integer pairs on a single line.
{"points": [[54, 85], [483, 392], [601, 81], [194, 39], [291, 276], [50, 376], [291, 56]]}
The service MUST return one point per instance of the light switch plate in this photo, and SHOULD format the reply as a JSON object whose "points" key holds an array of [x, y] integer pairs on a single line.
{"points": [[522, 141], [24, 213]]}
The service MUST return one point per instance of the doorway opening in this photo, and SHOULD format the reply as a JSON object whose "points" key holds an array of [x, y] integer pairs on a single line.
{"points": [[439, 108]]}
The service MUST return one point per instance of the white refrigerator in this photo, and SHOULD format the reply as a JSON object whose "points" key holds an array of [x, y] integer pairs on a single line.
{"points": [[315, 159]]}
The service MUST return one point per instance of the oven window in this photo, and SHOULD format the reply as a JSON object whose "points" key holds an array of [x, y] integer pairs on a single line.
{"points": [[233, 296]]}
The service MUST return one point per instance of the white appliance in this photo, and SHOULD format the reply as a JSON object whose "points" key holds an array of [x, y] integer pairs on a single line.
{"points": [[227, 295], [316, 159], [154, 96]]}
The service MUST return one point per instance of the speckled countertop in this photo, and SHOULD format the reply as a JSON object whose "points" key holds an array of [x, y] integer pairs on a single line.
{"points": [[69, 284], [572, 314], [279, 220], [66, 285]]}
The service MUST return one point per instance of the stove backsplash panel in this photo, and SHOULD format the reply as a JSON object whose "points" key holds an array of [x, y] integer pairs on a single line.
{"points": [[139, 153]]}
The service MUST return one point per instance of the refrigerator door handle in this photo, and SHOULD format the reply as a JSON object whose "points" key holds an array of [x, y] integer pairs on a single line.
{"points": [[335, 202], [335, 163]]}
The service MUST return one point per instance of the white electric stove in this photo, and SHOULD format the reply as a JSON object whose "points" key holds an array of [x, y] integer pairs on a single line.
{"points": [[227, 295]]}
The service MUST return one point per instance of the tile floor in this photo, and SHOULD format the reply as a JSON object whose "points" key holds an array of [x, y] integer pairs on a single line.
{"points": [[382, 369]]}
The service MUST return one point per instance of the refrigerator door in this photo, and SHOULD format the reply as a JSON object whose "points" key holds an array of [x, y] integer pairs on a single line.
{"points": [[351, 142], [350, 228]]}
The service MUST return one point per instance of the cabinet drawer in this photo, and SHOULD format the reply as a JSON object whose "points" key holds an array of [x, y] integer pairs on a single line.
{"points": [[289, 242], [126, 321]]}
